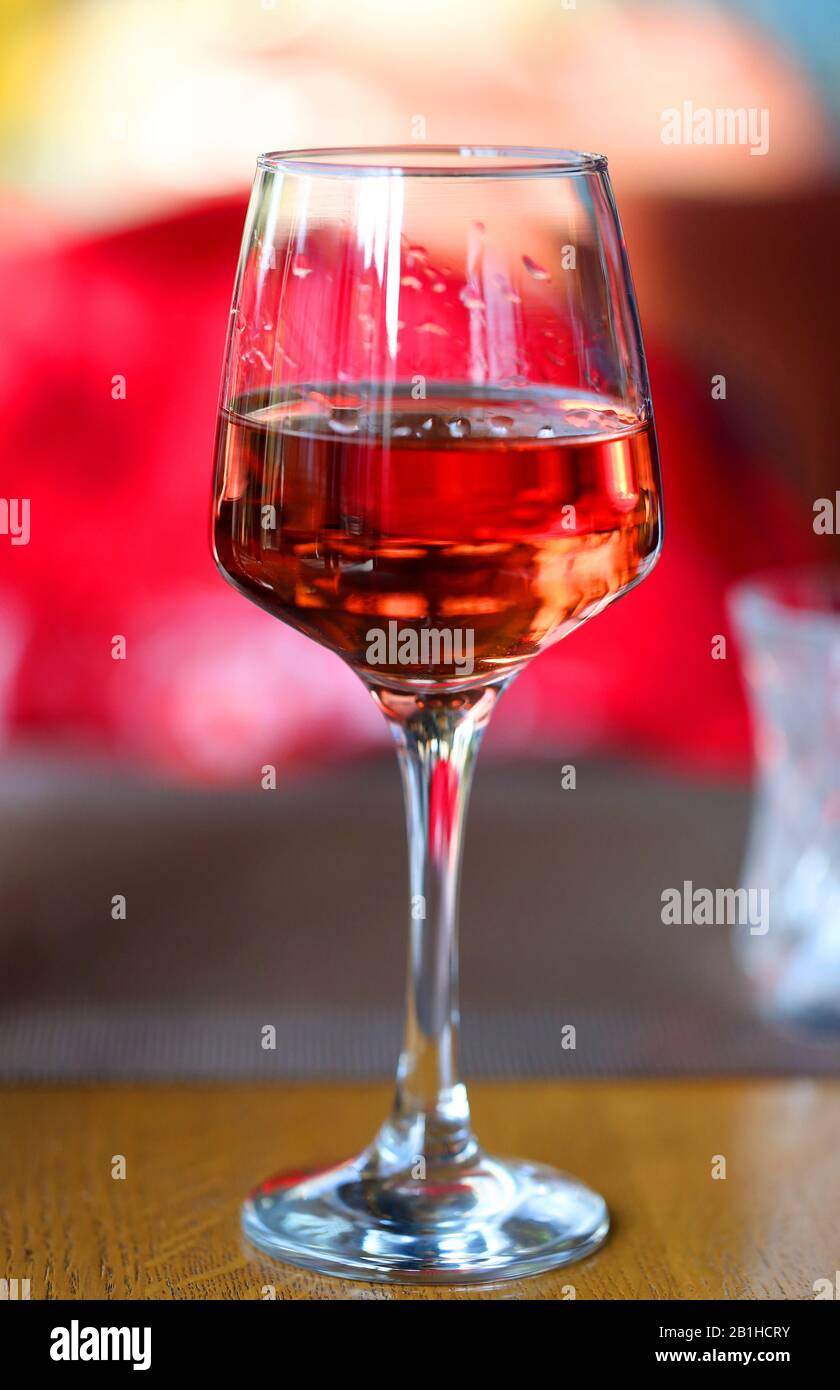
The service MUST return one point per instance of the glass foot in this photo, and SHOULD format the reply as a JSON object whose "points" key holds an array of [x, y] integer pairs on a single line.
{"points": [[495, 1219]]}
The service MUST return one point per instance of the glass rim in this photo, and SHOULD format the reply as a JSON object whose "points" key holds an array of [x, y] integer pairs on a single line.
{"points": [[377, 161]]}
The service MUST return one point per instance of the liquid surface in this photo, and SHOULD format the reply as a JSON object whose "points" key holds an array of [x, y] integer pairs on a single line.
{"points": [[440, 542]]}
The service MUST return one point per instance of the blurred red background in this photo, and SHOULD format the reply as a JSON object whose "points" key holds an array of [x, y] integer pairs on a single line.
{"points": [[136, 131]]}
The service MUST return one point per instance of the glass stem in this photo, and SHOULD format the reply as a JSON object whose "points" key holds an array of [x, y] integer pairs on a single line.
{"points": [[437, 742]]}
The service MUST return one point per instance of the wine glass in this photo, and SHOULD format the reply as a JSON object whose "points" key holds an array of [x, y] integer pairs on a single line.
{"points": [[436, 457]]}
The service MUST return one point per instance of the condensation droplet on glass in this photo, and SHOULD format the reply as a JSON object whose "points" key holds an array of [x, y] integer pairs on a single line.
{"points": [[410, 282], [433, 328], [471, 298], [500, 424], [582, 419], [344, 422], [459, 428], [534, 270], [300, 268], [438, 287], [545, 432]]}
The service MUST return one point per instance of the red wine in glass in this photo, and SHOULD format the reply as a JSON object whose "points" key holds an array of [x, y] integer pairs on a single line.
{"points": [[513, 519]]}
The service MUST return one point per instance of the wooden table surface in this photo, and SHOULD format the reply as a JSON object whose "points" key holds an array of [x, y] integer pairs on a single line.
{"points": [[169, 1230]]}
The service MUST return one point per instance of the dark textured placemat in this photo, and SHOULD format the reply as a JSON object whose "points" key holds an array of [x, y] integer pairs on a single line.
{"points": [[288, 908], [103, 1045]]}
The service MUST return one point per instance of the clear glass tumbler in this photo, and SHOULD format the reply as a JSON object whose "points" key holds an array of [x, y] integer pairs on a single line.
{"points": [[789, 630]]}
